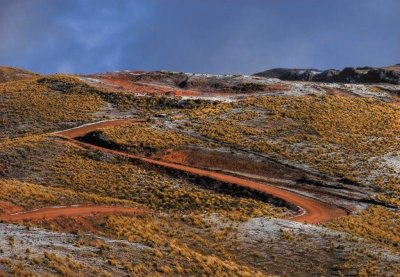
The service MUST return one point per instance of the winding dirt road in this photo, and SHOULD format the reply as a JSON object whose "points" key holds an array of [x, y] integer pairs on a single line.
{"points": [[313, 210], [70, 211]]}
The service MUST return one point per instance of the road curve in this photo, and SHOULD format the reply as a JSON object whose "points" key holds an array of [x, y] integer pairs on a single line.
{"points": [[313, 210], [70, 211], [87, 128]]}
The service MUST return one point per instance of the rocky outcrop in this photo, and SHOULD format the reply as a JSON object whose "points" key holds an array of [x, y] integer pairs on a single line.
{"points": [[347, 75], [382, 76], [329, 75], [290, 74]]}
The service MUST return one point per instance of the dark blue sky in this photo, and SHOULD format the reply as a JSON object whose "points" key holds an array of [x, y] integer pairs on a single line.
{"points": [[215, 36]]}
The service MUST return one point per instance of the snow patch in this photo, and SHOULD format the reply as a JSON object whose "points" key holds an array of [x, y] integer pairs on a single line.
{"points": [[393, 161]]}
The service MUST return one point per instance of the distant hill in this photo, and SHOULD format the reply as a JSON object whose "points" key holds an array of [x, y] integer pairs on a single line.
{"points": [[389, 74]]}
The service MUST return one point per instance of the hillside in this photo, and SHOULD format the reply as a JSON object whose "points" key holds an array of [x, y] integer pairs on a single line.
{"points": [[137, 173], [8, 74]]}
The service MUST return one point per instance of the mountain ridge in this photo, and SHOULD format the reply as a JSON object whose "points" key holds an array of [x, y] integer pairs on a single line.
{"points": [[365, 74]]}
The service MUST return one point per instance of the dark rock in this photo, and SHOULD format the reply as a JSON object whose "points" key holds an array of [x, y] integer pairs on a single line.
{"points": [[329, 75], [374, 76], [392, 77], [364, 68], [280, 73], [382, 76], [289, 74], [349, 75], [307, 75]]}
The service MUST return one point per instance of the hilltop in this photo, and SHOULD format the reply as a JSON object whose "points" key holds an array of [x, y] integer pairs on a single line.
{"points": [[366, 74], [8, 74]]}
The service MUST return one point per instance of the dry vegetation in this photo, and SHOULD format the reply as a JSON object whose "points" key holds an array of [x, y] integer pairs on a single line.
{"points": [[30, 196], [76, 176], [44, 104], [177, 249], [375, 223], [337, 135], [8, 74], [182, 244], [345, 138], [146, 137], [105, 176], [29, 106], [122, 180], [49, 264], [342, 137]]}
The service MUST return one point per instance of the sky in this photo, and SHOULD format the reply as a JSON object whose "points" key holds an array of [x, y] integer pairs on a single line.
{"points": [[205, 36]]}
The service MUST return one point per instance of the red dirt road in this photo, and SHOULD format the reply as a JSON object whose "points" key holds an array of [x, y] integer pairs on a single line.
{"points": [[70, 211], [314, 211]]}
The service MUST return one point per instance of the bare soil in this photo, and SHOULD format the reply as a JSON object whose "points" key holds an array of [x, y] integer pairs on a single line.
{"points": [[8, 208], [229, 162]]}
